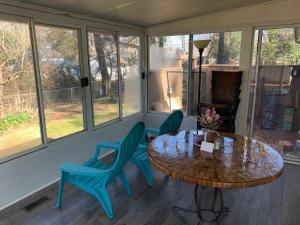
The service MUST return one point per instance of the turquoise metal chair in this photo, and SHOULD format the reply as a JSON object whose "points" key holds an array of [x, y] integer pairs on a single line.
{"points": [[140, 157], [94, 176]]}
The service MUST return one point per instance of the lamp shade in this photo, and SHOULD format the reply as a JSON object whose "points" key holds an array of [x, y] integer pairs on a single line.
{"points": [[200, 44]]}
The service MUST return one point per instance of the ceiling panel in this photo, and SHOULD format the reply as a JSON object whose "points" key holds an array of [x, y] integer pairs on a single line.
{"points": [[144, 12]]}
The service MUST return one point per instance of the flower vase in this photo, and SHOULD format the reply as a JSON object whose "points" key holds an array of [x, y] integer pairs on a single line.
{"points": [[211, 136]]}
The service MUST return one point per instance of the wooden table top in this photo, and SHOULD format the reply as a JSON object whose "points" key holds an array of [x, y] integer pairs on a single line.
{"points": [[240, 162]]}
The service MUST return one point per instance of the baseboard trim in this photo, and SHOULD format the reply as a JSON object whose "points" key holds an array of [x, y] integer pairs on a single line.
{"points": [[41, 188]]}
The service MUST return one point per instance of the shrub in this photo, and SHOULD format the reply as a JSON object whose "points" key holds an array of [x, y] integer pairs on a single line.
{"points": [[13, 120]]}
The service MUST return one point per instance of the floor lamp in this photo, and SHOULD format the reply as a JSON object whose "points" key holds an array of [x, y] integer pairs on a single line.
{"points": [[200, 44]]}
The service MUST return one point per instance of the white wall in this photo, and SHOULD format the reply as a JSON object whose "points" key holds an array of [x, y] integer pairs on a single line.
{"points": [[244, 19], [25, 175], [156, 119]]}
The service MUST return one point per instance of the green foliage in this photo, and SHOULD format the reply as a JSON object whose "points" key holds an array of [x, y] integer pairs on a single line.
{"points": [[14, 120], [65, 42], [232, 47], [279, 47]]}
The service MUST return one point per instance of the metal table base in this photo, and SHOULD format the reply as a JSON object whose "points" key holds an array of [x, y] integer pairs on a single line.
{"points": [[217, 208]]}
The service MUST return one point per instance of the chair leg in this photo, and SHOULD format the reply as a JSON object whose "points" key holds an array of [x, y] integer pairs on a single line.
{"points": [[60, 191], [125, 182], [146, 168], [103, 198]]}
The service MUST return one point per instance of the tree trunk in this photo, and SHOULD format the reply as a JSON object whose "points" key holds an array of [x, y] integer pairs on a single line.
{"points": [[106, 82], [221, 50]]}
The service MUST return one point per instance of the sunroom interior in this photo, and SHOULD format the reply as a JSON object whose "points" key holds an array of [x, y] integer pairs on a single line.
{"points": [[74, 74]]}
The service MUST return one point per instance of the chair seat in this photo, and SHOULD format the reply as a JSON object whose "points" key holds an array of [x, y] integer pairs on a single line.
{"points": [[91, 181]]}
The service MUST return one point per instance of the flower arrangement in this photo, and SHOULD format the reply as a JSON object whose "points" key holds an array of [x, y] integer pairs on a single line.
{"points": [[210, 119]]}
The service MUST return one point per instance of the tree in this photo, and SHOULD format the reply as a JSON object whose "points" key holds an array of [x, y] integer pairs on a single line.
{"points": [[221, 50], [106, 78], [129, 53], [59, 57], [279, 47], [16, 72], [225, 48]]}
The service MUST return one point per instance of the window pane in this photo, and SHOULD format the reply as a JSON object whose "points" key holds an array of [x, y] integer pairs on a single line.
{"points": [[130, 69], [252, 83], [19, 120], [60, 76], [222, 54], [104, 76], [276, 113], [167, 83]]}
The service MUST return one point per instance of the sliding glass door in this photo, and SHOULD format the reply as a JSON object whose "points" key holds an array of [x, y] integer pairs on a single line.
{"points": [[275, 90], [58, 51]]}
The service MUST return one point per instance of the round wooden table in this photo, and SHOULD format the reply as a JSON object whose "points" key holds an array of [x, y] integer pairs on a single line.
{"points": [[239, 162]]}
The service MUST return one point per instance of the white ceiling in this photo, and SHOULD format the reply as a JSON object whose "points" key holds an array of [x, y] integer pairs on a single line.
{"points": [[144, 12]]}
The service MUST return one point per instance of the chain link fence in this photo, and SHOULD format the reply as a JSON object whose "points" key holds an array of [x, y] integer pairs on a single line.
{"points": [[20, 103]]}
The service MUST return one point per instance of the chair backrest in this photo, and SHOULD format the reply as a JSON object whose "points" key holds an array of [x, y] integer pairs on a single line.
{"points": [[226, 86], [172, 123], [127, 148]]}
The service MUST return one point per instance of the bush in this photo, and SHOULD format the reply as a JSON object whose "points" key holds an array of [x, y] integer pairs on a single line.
{"points": [[13, 120]]}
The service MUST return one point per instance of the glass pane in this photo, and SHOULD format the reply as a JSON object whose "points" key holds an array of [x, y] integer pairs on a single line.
{"points": [[222, 54], [104, 76], [168, 81], [60, 75], [252, 84], [277, 112], [131, 74], [19, 119]]}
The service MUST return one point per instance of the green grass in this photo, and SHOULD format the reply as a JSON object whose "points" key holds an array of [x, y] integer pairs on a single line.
{"points": [[22, 131], [14, 120]]}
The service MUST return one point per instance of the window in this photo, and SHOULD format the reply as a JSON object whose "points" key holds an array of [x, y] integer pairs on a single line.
{"points": [[222, 54], [167, 82], [224, 48], [104, 76], [41, 98], [60, 76], [130, 69], [19, 119], [275, 114]]}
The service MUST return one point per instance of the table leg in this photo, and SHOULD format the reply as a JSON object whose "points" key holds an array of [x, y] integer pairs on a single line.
{"points": [[215, 211]]}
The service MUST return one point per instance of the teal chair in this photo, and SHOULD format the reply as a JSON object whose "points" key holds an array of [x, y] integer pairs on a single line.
{"points": [[140, 157], [94, 176]]}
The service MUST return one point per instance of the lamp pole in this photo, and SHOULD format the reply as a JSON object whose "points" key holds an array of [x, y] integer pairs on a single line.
{"points": [[199, 87], [200, 45]]}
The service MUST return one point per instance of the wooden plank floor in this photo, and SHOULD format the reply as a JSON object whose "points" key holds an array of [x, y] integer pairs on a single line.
{"points": [[277, 203]]}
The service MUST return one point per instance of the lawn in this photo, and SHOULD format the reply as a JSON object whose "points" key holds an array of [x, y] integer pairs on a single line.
{"points": [[61, 120]]}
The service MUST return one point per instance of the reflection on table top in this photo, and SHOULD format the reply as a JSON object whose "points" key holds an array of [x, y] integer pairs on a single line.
{"points": [[239, 162]]}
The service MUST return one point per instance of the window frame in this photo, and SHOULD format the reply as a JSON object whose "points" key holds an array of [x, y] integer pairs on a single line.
{"points": [[259, 30], [28, 23], [191, 34], [83, 24], [148, 73], [119, 34], [82, 89], [117, 119]]}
